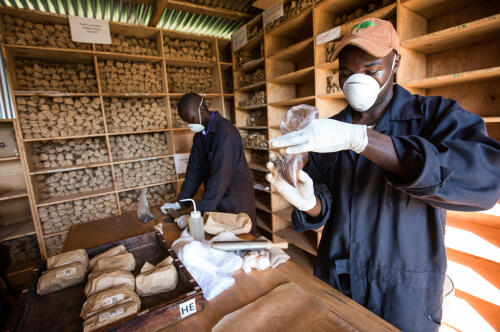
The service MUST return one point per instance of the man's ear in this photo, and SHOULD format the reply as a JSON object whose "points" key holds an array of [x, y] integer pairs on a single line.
{"points": [[397, 62]]}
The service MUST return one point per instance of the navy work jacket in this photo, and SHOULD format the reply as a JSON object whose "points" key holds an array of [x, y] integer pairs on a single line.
{"points": [[218, 160], [386, 236]]}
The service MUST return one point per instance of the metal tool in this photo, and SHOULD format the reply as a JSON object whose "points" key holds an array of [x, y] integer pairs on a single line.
{"points": [[247, 245]]}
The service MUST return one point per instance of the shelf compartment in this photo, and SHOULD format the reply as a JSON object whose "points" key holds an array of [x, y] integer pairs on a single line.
{"points": [[264, 221], [251, 65], [433, 8], [293, 102], [10, 158], [285, 213], [17, 230], [292, 52], [263, 202], [306, 241], [249, 108], [252, 87], [252, 128], [13, 194], [339, 7], [454, 79], [457, 36], [189, 62], [336, 95], [296, 77]]}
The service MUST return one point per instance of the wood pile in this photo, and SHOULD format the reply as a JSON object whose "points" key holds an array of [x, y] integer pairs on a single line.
{"points": [[130, 146], [180, 48], [187, 79], [135, 114], [142, 173], [54, 244], [130, 77], [246, 79], [254, 140], [177, 122], [247, 55], [23, 248], [255, 98], [256, 118], [130, 45], [290, 9], [332, 83]]}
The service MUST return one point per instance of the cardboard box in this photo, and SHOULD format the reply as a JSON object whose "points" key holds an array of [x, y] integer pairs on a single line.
{"points": [[8, 147]]}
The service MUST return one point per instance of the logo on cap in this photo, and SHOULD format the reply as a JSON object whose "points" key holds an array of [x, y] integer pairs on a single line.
{"points": [[363, 25]]}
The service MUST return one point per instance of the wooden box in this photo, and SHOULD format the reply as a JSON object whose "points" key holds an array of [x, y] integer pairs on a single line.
{"points": [[60, 311]]}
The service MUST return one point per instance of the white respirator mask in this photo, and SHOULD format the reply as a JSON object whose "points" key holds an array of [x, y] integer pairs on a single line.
{"points": [[197, 127], [361, 90]]}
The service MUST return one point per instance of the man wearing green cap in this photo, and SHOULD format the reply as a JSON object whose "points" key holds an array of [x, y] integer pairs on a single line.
{"points": [[381, 175]]}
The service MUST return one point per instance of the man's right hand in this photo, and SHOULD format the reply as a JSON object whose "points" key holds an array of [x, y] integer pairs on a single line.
{"points": [[302, 197], [170, 206]]}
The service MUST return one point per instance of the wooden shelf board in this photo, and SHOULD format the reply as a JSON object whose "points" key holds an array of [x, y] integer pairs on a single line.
{"points": [[19, 93], [148, 185], [49, 53], [228, 95], [253, 128], [250, 65], [275, 127], [146, 158], [24, 266], [134, 95], [262, 224], [261, 206], [434, 8], [75, 197], [17, 230], [257, 167], [159, 130], [296, 77], [329, 65], [249, 108], [189, 62], [298, 239], [286, 28], [254, 42], [460, 35], [491, 119], [285, 213], [13, 194], [10, 158], [204, 95], [292, 102], [292, 53], [62, 137], [225, 65], [45, 236], [252, 86], [69, 168], [180, 129], [339, 7], [336, 95], [7, 120], [256, 148], [127, 56], [453, 79]]}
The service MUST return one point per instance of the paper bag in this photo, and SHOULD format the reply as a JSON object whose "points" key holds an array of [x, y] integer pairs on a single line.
{"points": [[74, 256], [108, 253], [218, 222], [111, 315], [156, 281], [106, 299], [123, 262], [101, 281], [60, 278]]}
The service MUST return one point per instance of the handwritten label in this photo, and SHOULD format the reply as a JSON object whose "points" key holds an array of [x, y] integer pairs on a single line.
{"points": [[239, 38], [111, 314], [89, 30], [70, 271], [327, 36], [181, 161], [106, 302], [187, 308], [272, 13]]}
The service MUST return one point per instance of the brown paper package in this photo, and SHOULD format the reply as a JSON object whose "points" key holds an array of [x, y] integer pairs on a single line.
{"points": [[288, 307], [108, 253], [60, 278], [99, 281], [218, 222], [106, 299], [123, 262], [156, 280], [111, 315], [74, 256]]}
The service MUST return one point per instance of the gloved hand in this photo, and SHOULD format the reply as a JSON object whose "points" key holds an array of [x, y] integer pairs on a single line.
{"points": [[302, 197], [168, 206], [324, 135]]}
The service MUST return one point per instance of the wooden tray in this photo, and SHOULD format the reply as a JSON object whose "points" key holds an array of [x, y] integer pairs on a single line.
{"points": [[60, 311]]}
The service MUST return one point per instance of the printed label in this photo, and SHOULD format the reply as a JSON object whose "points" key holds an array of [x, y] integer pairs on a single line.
{"points": [[327, 36], [106, 302], [187, 308], [111, 314], [272, 13], [70, 271], [239, 38]]}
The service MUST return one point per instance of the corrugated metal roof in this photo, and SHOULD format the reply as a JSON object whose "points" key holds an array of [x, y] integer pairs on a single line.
{"points": [[244, 6], [140, 13]]}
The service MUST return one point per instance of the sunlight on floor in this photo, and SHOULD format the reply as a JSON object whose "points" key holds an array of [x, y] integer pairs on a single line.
{"points": [[461, 316], [475, 245]]}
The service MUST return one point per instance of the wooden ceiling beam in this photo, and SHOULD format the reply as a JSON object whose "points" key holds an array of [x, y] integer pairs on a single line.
{"points": [[206, 10], [159, 7]]}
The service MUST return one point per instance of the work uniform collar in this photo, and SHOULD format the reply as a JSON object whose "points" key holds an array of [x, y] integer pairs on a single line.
{"points": [[403, 107]]}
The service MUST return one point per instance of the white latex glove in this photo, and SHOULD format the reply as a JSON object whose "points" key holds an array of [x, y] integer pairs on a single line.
{"points": [[302, 197], [324, 135], [168, 206], [182, 221]]}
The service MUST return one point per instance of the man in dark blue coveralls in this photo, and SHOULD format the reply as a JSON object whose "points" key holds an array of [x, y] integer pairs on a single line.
{"points": [[380, 177], [217, 159]]}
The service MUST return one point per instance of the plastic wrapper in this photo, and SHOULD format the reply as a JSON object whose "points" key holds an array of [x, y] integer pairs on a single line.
{"points": [[74, 256], [118, 250], [60, 278], [111, 315], [106, 299], [143, 212], [122, 262], [295, 119]]}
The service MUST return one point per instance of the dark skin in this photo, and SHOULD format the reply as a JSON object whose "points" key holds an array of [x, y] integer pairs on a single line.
{"points": [[190, 113], [380, 148]]}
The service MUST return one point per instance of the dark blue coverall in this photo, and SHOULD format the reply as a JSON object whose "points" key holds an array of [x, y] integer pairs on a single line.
{"points": [[383, 241], [217, 159]]}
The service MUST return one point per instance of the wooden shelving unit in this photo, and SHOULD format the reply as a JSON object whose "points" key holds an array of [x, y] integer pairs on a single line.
{"points": [[220, 96], [448, 48]]}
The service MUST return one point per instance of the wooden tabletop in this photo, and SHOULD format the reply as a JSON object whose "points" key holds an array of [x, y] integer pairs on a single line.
{"points": [[344, 313]]}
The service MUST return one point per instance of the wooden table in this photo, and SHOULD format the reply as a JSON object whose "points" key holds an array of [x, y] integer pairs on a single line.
{"points": [[344, 315]]}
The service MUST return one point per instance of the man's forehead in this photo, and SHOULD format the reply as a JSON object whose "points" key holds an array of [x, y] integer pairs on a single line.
{"points": [[352, 54]]}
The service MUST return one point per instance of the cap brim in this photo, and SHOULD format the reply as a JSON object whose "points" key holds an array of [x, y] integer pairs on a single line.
{"points": [[366, 45]]}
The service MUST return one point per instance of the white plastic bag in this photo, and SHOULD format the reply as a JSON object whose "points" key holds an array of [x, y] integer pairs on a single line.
{"points": [[143, 212]]}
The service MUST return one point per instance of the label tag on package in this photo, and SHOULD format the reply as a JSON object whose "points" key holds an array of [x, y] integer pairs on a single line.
{"points": [[187, 308], [89, 30], [239, 38], [327, 36], [181, 161], [112, 300], [70, 271], [272, 13]]}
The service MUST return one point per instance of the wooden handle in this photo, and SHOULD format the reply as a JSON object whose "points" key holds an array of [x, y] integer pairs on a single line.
{"points": [[281, 245]]}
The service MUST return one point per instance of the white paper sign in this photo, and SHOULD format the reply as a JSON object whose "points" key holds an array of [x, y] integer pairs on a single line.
{"points": [[181, 161], [239, 38], [187, 308], [89, 30], [327, 36], [272, 13]]}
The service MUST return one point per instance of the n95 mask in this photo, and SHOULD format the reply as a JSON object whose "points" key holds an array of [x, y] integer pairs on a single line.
{"points": [[197, 127], [361, 91]]}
